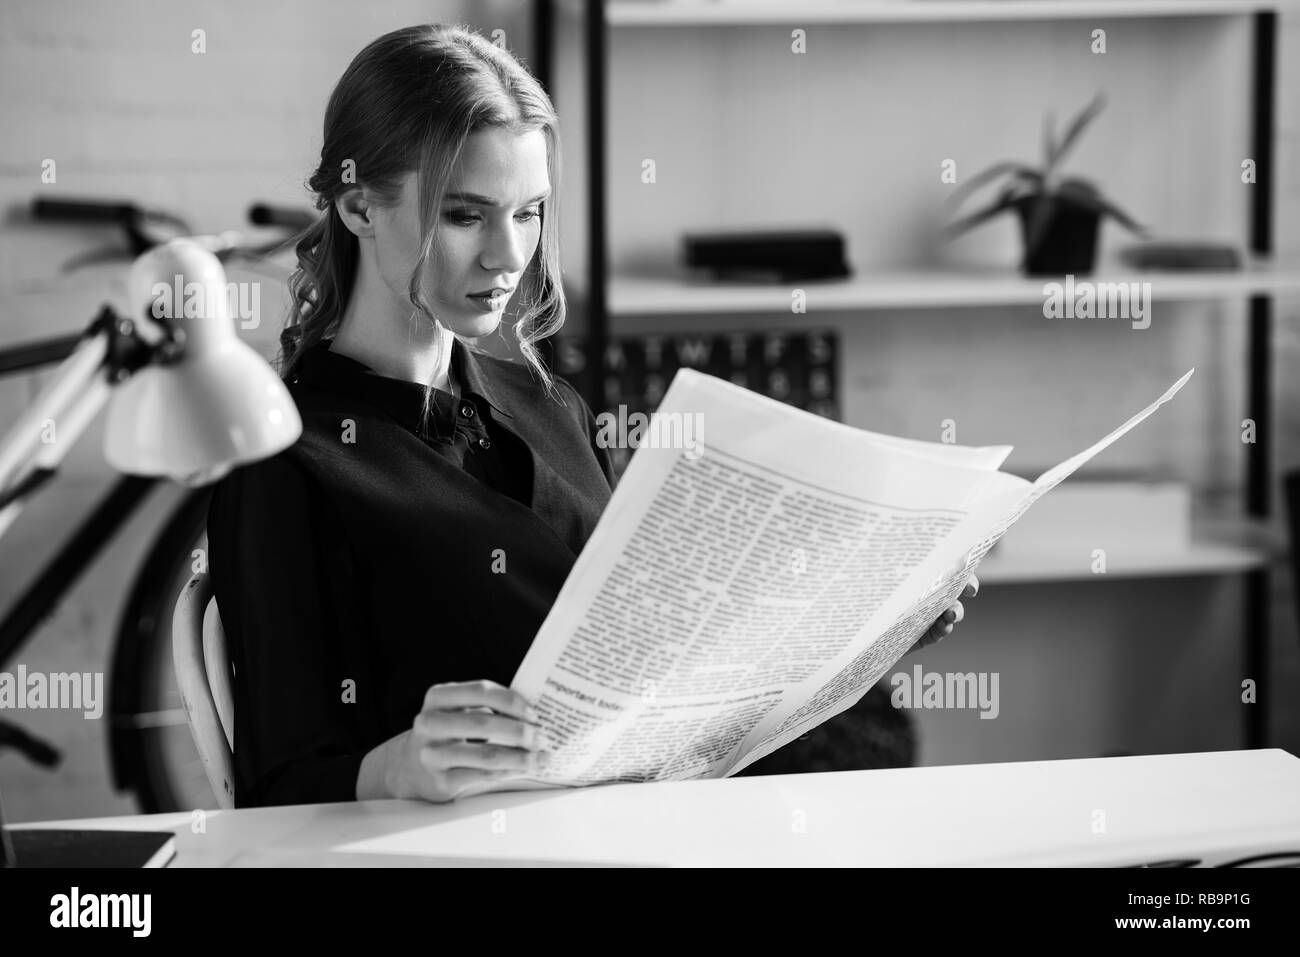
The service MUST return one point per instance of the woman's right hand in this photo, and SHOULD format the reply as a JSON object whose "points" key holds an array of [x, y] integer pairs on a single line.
{"points": [[469, 737]]}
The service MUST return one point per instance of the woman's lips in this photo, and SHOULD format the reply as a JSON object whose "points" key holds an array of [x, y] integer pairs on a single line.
{"points": [[489, 303]]}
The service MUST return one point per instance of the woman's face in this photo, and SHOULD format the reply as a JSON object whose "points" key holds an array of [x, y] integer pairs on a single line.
{"points": [[488, 229]]}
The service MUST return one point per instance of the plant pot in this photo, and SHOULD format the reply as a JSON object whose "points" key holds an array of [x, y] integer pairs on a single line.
{"points": [[1068, 244]]}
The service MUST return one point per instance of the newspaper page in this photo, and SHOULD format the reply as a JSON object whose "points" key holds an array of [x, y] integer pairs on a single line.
{"points": [[933, 587], [757, 569]]}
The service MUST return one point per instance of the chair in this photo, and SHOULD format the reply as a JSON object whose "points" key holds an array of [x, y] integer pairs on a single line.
{"points": [[203, 675]]}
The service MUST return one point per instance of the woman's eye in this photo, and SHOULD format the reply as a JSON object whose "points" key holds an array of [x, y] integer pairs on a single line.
{"points": [[461, 218]]}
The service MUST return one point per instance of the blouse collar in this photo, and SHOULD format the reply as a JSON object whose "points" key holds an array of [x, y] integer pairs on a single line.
{"points": [[321, 368]]}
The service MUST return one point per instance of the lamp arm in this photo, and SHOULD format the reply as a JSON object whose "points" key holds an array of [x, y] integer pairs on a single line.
{"points": [[109, 350]]}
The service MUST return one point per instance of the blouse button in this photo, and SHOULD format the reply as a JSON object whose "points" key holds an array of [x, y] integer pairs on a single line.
{"points": [[485, 443], [467, 410]]}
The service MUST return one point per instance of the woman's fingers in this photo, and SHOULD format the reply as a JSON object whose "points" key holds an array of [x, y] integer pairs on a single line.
{"points": [[471, 694], [465, 782], [943, 626], [477, 725], [471, 737], [484, 757]]}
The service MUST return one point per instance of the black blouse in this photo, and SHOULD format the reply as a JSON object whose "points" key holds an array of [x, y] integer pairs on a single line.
{"points": [[381, 554]]}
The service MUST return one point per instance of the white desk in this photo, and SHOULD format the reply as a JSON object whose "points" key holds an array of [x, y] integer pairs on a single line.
{"points": [[1215, 806]]}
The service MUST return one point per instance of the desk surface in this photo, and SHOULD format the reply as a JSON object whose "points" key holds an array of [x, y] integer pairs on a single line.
{"points": [[1215, 806]]}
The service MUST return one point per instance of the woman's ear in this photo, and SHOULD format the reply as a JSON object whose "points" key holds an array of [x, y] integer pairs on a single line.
{"points": [[357, 211]]}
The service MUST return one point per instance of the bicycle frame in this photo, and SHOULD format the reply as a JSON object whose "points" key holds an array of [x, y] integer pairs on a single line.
{"points": [[81, 549]]}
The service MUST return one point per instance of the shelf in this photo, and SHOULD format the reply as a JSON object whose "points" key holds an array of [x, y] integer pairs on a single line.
{"points": [[920, 289], [665, 13], [1200, 558], [1220, 546]]}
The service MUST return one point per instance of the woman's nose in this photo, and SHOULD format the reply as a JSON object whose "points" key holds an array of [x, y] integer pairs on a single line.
{"points": [[504, 251]]}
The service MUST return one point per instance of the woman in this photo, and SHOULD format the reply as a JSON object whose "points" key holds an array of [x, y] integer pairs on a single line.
{"points": [[381, 580]]}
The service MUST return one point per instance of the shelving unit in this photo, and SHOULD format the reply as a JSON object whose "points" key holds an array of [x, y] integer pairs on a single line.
{"points": [[665, 13], [1222, 545], [917, 289], [1201, 558], [1221, 548]]}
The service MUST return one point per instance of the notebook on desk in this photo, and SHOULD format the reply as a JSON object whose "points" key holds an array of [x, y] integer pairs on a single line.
{"points": [[63, 847]]}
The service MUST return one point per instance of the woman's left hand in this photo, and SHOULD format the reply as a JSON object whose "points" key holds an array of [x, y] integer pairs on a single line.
{"points": [[943, 625]]}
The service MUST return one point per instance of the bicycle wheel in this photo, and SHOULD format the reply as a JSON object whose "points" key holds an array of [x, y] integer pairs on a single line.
{"points": [[153, 752]]}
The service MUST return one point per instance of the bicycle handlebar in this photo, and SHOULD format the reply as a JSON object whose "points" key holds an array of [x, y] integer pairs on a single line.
{"points": [[265, 214], [115, 212], [146, 228], [85, 211]]}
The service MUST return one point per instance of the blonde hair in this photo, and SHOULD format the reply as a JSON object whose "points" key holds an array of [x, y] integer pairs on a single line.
{"points": [[409, 101]]}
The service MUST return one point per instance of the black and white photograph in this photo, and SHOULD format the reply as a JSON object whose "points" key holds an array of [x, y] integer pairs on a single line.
{"points": [[704, 434]]}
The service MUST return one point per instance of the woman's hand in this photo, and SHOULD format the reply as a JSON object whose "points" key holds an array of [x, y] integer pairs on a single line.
{"points": [[943, 625], [469, 737]]}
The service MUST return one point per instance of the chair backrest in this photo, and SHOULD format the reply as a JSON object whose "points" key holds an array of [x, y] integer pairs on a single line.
{"points": [[203, 676]]}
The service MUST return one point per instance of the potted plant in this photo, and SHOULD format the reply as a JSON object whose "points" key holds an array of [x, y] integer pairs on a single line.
{"points": [[1059, 216]]}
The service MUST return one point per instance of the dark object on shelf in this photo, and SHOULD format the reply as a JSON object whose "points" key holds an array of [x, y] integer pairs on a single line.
{"points": [[768, 256], [1176, 256], [1059, 216], [797, 368], [58, 847], [1068, 243]]}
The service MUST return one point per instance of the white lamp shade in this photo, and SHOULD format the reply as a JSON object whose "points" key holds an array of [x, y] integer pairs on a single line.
{"points": [[194, 421], [217, 406]]}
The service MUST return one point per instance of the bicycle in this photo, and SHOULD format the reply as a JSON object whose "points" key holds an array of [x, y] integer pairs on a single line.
{"points": [[152, 755]]}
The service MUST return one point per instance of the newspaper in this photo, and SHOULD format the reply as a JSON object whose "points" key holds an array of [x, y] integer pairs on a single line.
{"points": [[756, 571]]}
